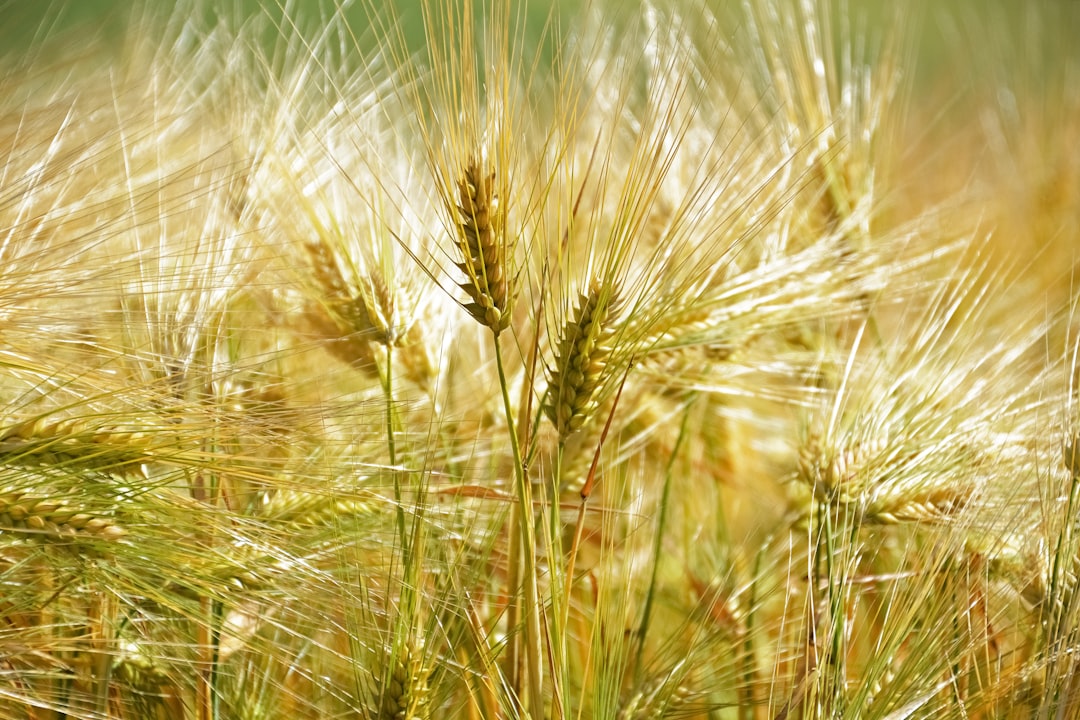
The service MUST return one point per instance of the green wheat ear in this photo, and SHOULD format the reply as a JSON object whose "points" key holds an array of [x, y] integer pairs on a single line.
{"points": [[405, 696], [580, 366]]}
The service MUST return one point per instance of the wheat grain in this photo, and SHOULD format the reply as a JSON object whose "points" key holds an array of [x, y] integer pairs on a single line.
{"points": [[657, 700]]}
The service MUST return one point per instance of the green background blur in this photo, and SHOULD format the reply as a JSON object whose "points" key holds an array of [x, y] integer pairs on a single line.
{"points": [[1033, 39], [23, 22]]}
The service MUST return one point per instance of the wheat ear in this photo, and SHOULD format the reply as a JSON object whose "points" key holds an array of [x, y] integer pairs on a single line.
{"points": [[854, 476], [342, 319], [405, 696], [52, 519], [655, 701], [584, 350], [70, 443], [482, 243], [305, 509]]}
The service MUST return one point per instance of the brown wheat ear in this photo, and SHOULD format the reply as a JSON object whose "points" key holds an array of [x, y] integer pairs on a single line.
{"points": [[482, 242], [585, 348]]}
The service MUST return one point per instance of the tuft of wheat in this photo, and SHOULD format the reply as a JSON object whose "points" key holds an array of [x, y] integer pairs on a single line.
{"points": [[338, 337], [728, 208], [481, 240], [246, 567], [857, 476], [381, 303], [585, 348], [422, 357], [837, 474], [927, 505], [134, 667]]}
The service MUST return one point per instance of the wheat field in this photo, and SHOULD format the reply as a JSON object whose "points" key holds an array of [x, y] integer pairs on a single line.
{"points": [[688, 359]]}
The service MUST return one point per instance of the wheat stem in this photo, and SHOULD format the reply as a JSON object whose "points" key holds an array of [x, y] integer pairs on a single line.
{"points": [[399, 506], [527, 531], [747, 694], [587, 490], [658, 539], [560, 602]]}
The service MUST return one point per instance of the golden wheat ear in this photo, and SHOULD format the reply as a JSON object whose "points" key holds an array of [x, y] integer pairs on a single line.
{"points": [[481, 242], [52, 518], [337, 317]]}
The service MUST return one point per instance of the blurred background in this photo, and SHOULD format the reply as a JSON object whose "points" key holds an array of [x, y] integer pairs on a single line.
{"points": [[991, 108], [1038, 35]]}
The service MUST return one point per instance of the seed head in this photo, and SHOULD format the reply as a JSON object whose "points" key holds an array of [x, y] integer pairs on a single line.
{"points": [[483, 246], [579, 370]]}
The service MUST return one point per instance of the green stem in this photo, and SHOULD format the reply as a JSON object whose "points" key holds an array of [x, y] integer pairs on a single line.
{"points": [[391, 446], [748, 665], [527, 530], [1062, 551], [661, 528], [217, 616], [830, 584], [388, 392], [835, 584], [560, 601], [513, 610]]}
